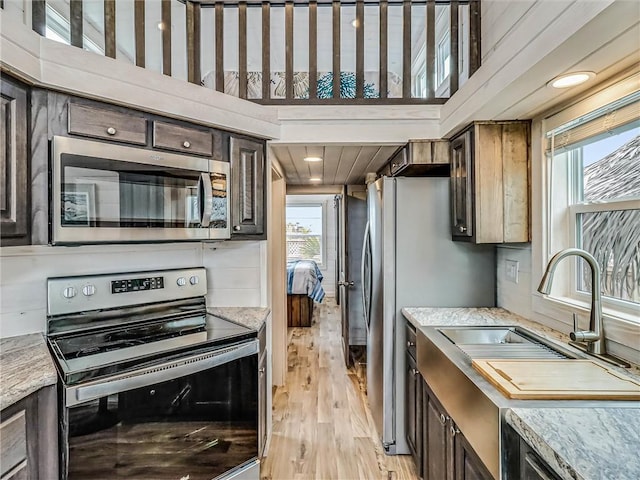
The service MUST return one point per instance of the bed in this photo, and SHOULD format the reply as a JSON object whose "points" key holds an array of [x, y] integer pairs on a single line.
{"points": [[304, 286]]}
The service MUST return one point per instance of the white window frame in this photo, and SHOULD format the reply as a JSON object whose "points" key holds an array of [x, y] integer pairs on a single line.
{"points": [[621, 324], [323, 242]]}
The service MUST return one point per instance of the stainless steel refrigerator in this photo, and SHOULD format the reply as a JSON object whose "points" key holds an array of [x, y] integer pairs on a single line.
{"points": [[409, 260]]}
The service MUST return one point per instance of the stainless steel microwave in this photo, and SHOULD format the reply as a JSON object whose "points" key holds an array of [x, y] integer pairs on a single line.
{"points": [[105, 193]]}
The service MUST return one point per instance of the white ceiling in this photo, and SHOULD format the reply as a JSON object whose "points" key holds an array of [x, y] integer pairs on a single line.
{"points": [[341, 165]]}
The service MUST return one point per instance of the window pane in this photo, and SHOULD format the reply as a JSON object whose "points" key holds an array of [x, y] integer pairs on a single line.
{"points": [[304, 232], [613, 238], [609, 164]]}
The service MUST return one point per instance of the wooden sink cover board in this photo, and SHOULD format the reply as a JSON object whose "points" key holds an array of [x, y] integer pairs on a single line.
{"points": [[557, 379]]}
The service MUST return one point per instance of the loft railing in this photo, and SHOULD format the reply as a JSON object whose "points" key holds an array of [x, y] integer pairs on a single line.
{"points": [[284, 52]]}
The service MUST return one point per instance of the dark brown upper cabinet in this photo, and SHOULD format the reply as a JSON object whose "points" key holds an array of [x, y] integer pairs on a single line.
{"points": [[248, 196], [14, 167], [490, 183]]}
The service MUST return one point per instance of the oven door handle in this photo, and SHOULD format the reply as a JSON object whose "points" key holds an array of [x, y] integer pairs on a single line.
{"points": [[158, 373], [205, 198]]}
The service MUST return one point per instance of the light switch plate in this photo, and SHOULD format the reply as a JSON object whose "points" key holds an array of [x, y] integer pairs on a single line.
{"points": [[512, 267]]}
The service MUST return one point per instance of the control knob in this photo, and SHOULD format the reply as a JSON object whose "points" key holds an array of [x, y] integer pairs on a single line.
{"points": [[69, 292], [181, 281], [88, 290], [194, 280]]}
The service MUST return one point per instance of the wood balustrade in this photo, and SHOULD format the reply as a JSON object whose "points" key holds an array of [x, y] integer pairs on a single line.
{"points": [[337, 69]]}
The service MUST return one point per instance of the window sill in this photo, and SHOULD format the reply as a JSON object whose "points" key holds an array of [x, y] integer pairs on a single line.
{"points": [[620, 328]]}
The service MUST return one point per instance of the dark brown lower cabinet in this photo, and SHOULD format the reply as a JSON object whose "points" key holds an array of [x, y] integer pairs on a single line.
{"points": [[446, 453], [29, 432], [468, 466], [521, 462], [414, 410]]}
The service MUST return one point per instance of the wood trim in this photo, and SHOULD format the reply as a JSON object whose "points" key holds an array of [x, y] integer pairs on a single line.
{"points": [[384, 20], [288, 46], [406, 48], [313, 49], [110, 28], [431, 48], [139, 22], [266, 51], [360, 48], [336, 48], [166, 37], [39, 17], [75, 23], [193, 42], [352, 101], [475, 55], [220, 46], [242, 49], [454, 73]]}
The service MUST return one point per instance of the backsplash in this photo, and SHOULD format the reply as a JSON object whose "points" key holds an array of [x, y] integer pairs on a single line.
{"points": [[234, 274]]}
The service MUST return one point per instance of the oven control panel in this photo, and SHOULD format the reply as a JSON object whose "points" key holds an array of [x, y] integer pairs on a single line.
{"points": [[136, 284], [93, 292]]}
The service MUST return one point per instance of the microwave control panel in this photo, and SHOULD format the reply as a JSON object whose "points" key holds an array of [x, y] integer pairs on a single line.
{"points": [[137, 284]]}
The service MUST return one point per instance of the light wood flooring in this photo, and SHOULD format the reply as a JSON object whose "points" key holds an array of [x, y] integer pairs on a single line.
{"points": [[322, 426]]}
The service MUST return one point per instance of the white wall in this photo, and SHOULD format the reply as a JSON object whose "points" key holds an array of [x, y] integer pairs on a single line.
{"points": [[515, 297], [234, 274], [328, 269]]}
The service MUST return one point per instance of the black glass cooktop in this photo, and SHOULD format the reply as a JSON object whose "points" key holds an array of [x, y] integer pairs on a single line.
{"points": [[95, 354]]}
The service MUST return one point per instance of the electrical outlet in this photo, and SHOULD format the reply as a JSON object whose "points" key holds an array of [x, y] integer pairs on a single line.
{"points": [[512, 267]]}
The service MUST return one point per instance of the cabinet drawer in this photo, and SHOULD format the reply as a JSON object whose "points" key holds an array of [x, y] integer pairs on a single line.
{"points": [[13, 452], [182, 139], [108, 124]]}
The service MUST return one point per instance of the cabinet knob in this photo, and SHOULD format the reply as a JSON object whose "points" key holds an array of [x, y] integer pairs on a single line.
{"points": [[186, 144], [410, 344], [454, 430], [415, 371], [237, 228], [111, 131], [443, 419], [462, 228], [261, 370]]}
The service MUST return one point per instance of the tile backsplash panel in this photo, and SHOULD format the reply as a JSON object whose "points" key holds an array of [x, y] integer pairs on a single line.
{"points": [[234, 274]]}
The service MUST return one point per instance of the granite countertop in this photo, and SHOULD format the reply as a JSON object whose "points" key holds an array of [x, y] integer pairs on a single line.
{"points": [[25, 367], [579, 443], [583, 443], [252, 317]]}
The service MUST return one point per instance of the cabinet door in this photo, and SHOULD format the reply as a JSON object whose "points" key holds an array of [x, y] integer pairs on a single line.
{"points": [[14, 181], [461, 186], [435, 461], [413, 410], [262, 403], [468, 465], [247, 183]]}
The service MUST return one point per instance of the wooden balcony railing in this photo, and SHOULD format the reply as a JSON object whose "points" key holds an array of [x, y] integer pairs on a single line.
{"points": [[284, 52]]}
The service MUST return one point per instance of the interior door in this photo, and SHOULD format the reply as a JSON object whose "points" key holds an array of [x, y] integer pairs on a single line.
{"points": [[353, 216]]}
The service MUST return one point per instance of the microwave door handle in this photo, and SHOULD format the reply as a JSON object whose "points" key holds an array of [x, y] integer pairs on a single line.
{"points": [[205, 199]]}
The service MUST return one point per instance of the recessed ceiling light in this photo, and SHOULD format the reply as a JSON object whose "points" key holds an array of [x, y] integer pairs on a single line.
{"points": [[315, 179], [571, 79], [312, 159]]}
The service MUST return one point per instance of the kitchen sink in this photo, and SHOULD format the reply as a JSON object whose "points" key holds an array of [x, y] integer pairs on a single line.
{"points": [[503, 343]]}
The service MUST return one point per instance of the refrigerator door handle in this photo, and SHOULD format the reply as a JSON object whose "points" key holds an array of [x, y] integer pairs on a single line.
{"points": [[366, 282]]}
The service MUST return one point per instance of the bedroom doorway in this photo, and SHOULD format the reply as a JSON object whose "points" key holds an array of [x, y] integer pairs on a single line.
{"points": [[311, 244]]}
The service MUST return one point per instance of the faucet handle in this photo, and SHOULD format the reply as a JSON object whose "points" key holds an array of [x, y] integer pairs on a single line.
{"points": [[575, 322]]}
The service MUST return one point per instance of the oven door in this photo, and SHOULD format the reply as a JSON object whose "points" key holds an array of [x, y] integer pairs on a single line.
{"points": [[114, 193], [194, 417]]}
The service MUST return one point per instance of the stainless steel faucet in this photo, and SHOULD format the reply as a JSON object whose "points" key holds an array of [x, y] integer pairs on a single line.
{"points": [[594, 337]]}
